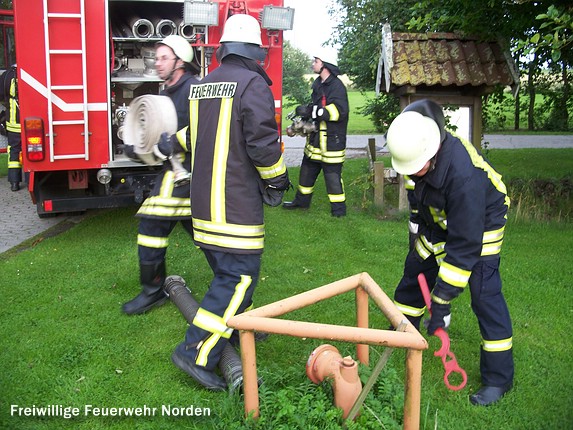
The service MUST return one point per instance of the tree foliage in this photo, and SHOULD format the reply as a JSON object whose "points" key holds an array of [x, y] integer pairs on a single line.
{"points": [[296, 64], [539, 34]]}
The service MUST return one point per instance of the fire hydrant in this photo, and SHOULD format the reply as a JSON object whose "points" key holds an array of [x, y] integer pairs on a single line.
{"points": [[326, 362]]}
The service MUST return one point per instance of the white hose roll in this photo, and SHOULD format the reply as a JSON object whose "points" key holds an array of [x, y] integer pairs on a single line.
{"points": [[147, 118]]}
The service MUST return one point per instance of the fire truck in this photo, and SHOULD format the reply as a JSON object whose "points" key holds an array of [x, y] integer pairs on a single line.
{"points": [[81, 63]]}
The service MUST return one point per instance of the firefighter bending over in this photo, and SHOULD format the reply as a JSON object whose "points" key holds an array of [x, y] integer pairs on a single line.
{"points": [[460, 206], [237, 165], [9, 91], [167, 203], [325, 149]]}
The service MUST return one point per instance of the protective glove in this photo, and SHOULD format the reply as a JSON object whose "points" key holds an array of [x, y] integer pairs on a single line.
{"points": [[129, 150], [272, 196], [317, 112], [441, 316], [304, 111], [163, 150]]}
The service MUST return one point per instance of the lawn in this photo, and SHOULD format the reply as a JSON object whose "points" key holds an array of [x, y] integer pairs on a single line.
{"points": [[66, 343]]}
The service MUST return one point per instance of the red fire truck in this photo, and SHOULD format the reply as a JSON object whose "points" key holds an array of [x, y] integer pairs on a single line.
{"points": [[81, 63]]}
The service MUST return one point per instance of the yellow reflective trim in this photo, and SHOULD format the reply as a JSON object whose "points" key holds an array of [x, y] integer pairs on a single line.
{"points": [[409, 184], [454, 275], [494, 235], [497, 345], [193, 120], [182, 138], [491, 248], [337, 198], [14, 164], [228, 241], [479, 162], [305, 190], [209, 321], [205, 348], [152, 242], [238, 297], [333, 112], [220, 156], [409, 310], [228, 228], [273, 171], [439, 217], [439, 300], [167, 184]]}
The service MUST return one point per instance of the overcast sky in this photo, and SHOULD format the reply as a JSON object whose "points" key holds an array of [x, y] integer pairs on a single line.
{"points": [[312, 24]]}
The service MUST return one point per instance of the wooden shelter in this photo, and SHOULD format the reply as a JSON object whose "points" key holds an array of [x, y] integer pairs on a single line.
{"points": [[446, 68]]}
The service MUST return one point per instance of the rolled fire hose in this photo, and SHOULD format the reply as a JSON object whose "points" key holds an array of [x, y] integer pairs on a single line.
{"points": [[147, 118], [165, 27], [230, 363], [142, 28]]}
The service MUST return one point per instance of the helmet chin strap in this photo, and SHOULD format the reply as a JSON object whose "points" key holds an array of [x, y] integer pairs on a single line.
{"points": [[170, 76]]}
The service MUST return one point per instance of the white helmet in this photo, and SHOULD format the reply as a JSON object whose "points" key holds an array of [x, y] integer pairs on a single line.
{"points": [[327, 56], [242, 28], [180, 47], [413, 139]]}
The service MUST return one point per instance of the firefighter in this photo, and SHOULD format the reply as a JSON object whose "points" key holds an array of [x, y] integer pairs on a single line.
{"points": [[462, 207], [325, 148], [168, 203], [9, 90], [237, 166]]}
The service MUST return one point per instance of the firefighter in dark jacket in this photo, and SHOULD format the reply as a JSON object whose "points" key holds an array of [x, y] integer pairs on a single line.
{"points": [[461, 208], [169, 201], [237, 165], [325, 149], [9, 91]]}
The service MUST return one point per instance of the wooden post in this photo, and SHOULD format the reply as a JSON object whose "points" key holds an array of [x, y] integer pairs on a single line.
{"points": [[378, 183]]}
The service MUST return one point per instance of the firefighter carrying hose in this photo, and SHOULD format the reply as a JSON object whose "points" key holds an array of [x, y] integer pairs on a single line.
{"points": [[325, 148], [237, 166], [460, 208], [9, 90], [167, 203]]}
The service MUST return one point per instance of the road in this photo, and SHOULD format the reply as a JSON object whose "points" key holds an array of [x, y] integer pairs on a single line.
{"points": [[22, 223]]}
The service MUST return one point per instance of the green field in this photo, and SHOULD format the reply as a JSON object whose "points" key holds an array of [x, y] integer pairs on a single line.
{"points": [[65, 341]]}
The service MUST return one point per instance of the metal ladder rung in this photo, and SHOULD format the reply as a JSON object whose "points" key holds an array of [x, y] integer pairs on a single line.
{"points": [[66, 51], [69, 122], [69, 156], [64, 15], [67, 87]]}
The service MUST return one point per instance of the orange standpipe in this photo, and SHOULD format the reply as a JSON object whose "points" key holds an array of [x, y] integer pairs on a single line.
{"points": [[261, 319], [325, 362]]}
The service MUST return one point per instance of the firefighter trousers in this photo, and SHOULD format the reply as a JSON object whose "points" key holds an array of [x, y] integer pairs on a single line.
{"points": [[309, 171], [235, 277], [488, 305], [153, 238], [14, 161]]}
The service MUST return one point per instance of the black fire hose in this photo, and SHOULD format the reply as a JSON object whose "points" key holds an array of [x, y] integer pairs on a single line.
{"points": [[230, 364]]}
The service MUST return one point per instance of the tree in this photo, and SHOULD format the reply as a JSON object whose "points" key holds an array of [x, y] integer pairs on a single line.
{"points": [[507, 21], [296, 64]]}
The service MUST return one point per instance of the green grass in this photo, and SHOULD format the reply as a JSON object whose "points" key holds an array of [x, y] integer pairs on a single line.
{"points": [[66, 342]]}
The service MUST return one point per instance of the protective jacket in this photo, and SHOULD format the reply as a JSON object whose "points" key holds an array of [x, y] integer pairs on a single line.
{"points": [[461, 209], [329, 143], [236, 151], [166, 201], [9, 90]]}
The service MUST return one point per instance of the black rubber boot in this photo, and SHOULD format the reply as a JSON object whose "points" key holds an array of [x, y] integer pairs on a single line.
{"points": [[301, 201], [152, 277]]}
